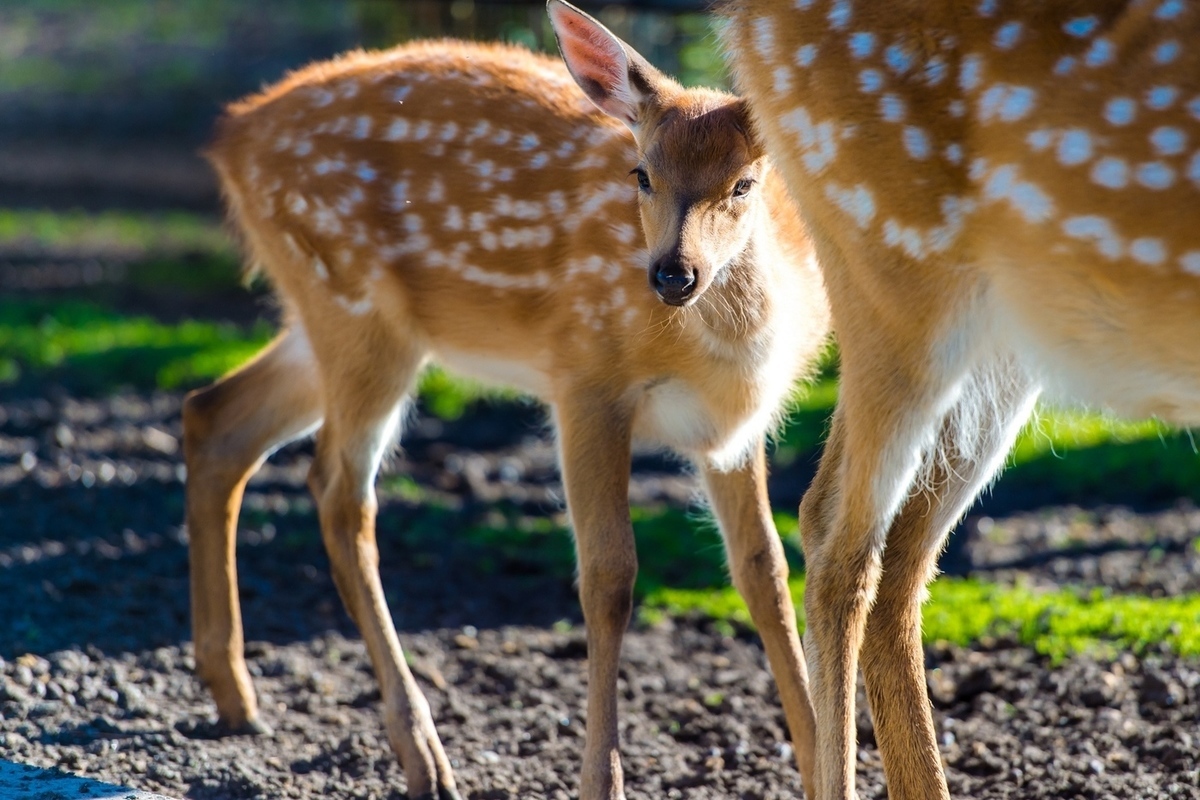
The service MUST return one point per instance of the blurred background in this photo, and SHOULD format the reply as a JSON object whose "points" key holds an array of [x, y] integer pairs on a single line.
{"points": [[105, 104]]}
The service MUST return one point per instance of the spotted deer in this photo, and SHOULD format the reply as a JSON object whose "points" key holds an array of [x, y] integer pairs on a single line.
{"points": [[1004, 198], [468, 205]]}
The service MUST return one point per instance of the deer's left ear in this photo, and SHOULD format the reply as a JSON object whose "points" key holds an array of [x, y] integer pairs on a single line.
{"points": [[611, 73]]}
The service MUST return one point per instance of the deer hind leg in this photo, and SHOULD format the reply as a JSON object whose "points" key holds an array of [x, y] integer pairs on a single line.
{"points": [[974, 439], [594, 438], [760, 572], [366, 384], [229, 428], [895, 392]]}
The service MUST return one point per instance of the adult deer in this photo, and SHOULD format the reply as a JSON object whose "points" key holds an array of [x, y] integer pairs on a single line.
{"points": [[466, 204], [1003, 198]]}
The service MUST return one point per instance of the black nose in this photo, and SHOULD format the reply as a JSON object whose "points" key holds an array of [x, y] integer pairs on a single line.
{"points": [[673, 282]]}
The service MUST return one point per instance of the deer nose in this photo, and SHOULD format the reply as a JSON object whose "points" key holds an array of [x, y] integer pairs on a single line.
{"points": [[673, 282]]}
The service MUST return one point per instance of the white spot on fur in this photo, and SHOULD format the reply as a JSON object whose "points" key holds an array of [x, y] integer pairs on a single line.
{"points": [[916, 142], [1167, 51], [437, 190], [870, 81], [1097, 230], [1100, 53], [1111, 172], [969, 75], [907, 239], [1161, 97], [320, 269], [1168, 140], [1006, 102], [857, 201], [354, 307], [1148, 250], [397, 130], [400, 197], [817, 140], [1190, 262], [1074, 147], [782, 80], [862, 44], [296, 202], [764, 38], [1120, 111], [892, 108], [1155, 175], [955, 211], [1007, 35], [1080, 27], [1040, 139], [1024, 196]]}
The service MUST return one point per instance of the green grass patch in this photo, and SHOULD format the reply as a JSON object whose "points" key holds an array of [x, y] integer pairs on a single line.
{"points": [[91, 349], [1057, 623], [112, 231]]}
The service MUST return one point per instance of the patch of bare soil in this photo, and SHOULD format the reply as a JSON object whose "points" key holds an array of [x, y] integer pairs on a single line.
{"points": [[96, 673]]}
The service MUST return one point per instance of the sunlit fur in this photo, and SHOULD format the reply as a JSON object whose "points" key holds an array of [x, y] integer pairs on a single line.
{"points": [[467, 205], [1003, 197]]}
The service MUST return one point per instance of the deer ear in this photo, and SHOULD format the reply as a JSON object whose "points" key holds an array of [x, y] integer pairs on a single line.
{"points": [[611, 73]]}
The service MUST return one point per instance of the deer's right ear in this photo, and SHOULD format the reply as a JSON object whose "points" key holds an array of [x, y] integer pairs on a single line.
{"points": [[610, 72]]}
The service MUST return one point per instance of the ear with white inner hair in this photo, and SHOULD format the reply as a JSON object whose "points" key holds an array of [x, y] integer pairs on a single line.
{"points": [[611, 73]]}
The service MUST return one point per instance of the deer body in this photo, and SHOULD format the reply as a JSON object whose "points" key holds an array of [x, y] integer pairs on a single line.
{"points": [[466, 204], [1003, 198]]}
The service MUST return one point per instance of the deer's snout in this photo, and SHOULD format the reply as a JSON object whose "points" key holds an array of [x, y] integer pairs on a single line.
{"points": [[672, 280]]}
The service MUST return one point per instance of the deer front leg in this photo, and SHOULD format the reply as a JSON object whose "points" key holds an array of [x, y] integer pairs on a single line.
{"points": [[760, 573], [358, 430], [594, 437], [228, 428]]}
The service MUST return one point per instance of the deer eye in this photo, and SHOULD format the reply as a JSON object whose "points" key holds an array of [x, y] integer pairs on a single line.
{"points": [[642, 178], [742, 187]]}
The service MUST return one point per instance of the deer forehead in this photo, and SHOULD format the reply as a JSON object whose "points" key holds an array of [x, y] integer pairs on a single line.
{"points": [[700, 151]]}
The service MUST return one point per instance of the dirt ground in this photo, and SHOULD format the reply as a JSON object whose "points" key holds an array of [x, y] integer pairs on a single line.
{"points": [[96, 669]]}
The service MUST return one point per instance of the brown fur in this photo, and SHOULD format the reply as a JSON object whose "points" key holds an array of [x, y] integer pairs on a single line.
{"points": [[977, 248], [466, 204]]}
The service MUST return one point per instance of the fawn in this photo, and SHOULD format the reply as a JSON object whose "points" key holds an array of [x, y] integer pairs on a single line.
{"points": [[1003, 198], [467, 204]]}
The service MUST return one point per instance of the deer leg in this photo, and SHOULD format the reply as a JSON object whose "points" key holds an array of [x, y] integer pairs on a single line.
{"points": [[228, 430], [594, 437], [760, 572], [974, 440], [364, 408], [888, 416]]}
